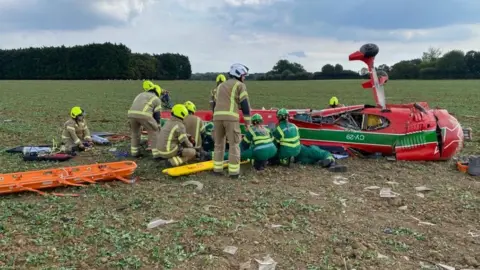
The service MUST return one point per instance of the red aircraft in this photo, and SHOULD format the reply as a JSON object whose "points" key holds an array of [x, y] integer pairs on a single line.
{"points": [[411, 131]]}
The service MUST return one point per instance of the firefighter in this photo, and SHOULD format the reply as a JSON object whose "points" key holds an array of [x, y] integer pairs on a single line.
{"points": [[287, 139], [257, 144], [220, 79], [75, 133], [145, 112], [193, 124], [313, 154], [231, 96], [174, 144], [334, 103]]}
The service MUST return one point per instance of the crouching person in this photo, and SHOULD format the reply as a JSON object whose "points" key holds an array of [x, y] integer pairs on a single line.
{"points": [[287, 139], [76, 135], [173, 144], [315, 155], [257, 144]]}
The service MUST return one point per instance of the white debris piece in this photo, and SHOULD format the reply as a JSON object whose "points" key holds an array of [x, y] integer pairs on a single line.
{"points": [[388, 193], [267, 263], [159, 222], [230, 250]]}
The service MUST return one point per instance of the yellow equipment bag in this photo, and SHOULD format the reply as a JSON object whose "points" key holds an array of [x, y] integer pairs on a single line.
{"points": [[194, 168]]}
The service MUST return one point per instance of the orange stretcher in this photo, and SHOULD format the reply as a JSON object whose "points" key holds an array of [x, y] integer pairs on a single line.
{"points": [[67, 176]]}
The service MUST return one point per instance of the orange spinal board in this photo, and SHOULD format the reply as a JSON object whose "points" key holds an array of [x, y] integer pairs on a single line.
{"points": [[66, 176]]}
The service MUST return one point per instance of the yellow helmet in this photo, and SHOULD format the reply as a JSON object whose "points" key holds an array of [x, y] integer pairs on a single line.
{"points": [[76, 111], [180, 111], [148, 85], [221, 78], [333, 101], [190, 106], [158, 89]]}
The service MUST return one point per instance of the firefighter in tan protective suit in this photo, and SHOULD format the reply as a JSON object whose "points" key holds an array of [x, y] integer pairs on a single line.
{"points": [[231, 96], [220, 79], [174, 144], [75, 132], [193, 124], [145, 111]]}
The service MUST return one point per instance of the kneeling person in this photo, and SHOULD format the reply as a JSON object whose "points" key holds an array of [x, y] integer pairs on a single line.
{"points": [[313, 154], [257, 144], [287, 139], [75, 133], [173, 143]]}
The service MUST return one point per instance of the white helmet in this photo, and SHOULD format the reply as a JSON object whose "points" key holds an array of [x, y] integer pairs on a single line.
{"points": [[237, 70]]}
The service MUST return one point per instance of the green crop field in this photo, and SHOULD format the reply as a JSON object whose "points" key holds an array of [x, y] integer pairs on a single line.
{"points": [[324, 224]]}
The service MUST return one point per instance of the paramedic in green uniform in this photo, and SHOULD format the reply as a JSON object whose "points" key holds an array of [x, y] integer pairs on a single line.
{"points": [[287, 139]]}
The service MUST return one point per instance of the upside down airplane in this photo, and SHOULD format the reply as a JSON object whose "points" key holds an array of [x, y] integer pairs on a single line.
{"points": [[410, 131]]}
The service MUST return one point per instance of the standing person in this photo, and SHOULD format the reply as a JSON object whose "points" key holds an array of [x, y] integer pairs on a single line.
{"points": [[145, 111], [287, 139], [174, 145], [75, 132], [230, 96], [220, 79]]}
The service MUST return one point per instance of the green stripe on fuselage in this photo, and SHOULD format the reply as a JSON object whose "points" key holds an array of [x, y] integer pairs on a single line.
{"points": [[361, 137]]}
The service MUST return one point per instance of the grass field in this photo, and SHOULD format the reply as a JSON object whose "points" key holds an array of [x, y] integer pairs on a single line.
{"points": [[324, 225]]}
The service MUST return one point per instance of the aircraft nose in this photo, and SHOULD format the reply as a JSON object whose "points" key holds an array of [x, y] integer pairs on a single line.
{"points": [[451, 134]]}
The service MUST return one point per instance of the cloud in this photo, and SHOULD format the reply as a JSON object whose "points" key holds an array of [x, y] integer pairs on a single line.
{"points": [[216, 33], [299, 54], [67, 14]]}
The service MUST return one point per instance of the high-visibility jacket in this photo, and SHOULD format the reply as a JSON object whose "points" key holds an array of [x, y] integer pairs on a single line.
{"points": [[213, 93], [287, 137], [194, 127], [172, 134], [260, 143], [231, 96], [76, 131], [145, 105]]}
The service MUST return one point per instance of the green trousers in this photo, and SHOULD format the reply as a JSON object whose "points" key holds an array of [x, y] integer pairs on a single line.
{"points": [[313, 154]]}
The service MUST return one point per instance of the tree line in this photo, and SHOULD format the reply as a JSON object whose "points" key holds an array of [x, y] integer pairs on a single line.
{"points": [[116, 61], [91, 62], [432, 65]]}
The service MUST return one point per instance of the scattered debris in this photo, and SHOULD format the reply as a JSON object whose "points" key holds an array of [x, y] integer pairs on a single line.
{"points": [[207, 207], [388, 193], [446, 267], [381, 256], [276, 226], [372, 188], [422, 222], [230, 250], [474, 234], [339, 180], [403, 207], [159, 222], [393, 183], [313, 193], [421, 195], [195, 183], [423, 188], [467, 134], [246, 265], [267, 263], [343, 202]]}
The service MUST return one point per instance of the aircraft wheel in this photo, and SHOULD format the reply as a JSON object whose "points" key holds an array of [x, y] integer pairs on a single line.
{"points": [[369, 50]]}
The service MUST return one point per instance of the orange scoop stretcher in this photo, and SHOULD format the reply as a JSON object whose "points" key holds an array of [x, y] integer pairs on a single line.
{"points": [[68, 176]]}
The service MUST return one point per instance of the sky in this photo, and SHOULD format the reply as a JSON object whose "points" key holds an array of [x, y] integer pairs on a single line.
{"points": [[257, 33]]}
